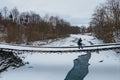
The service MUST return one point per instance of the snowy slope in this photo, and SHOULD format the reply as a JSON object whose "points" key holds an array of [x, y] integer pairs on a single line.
{"points": [[56, 66]]}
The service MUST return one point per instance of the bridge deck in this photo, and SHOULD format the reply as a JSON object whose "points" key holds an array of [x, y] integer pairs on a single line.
{"points": [[93, 48]]}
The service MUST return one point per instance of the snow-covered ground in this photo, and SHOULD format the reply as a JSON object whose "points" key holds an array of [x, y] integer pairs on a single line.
{"points": [[104, 65]]}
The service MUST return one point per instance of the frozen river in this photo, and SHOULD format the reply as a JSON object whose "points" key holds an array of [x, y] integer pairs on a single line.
{"points": [[104, 65]]}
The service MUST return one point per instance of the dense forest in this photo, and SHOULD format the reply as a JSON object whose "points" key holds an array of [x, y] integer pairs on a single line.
{"points": [[29, 26], [105, 22]]}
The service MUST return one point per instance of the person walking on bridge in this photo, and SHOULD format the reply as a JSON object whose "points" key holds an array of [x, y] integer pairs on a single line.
{"points": [[80, 44]]}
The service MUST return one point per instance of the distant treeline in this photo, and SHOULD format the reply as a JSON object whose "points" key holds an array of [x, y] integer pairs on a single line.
{"points": [[28, 26], [105, 21]]}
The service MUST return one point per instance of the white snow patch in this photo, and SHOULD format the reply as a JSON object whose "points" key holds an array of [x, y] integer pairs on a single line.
{"points": [[103, 66]]}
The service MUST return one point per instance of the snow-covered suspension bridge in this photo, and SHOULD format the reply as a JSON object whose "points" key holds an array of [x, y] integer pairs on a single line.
{"points": [[34, 49]]}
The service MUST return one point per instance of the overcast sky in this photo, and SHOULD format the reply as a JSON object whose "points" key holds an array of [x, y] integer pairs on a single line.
{"points": [[77, 12]]}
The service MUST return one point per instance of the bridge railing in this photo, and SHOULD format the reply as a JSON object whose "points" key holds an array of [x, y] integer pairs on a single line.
{"points": [[92, 48]]}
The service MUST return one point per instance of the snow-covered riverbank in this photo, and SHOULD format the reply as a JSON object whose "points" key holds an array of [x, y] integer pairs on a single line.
{"points": [[103, 66]]}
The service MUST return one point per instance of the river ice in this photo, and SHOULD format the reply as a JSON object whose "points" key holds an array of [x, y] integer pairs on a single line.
{"points": [[104, 65]]}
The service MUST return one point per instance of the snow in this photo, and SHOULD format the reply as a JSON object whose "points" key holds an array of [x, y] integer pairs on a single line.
{"points": [[67, 42], [42, 67], [103, 65], [109, 69]]}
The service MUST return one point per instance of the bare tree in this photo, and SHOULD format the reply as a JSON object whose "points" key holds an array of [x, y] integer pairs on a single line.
{"points": [[15, 14], [5, 11]]}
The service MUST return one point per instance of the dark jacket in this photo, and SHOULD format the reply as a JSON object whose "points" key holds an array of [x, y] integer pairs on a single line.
{"points": [[80, 41]]}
